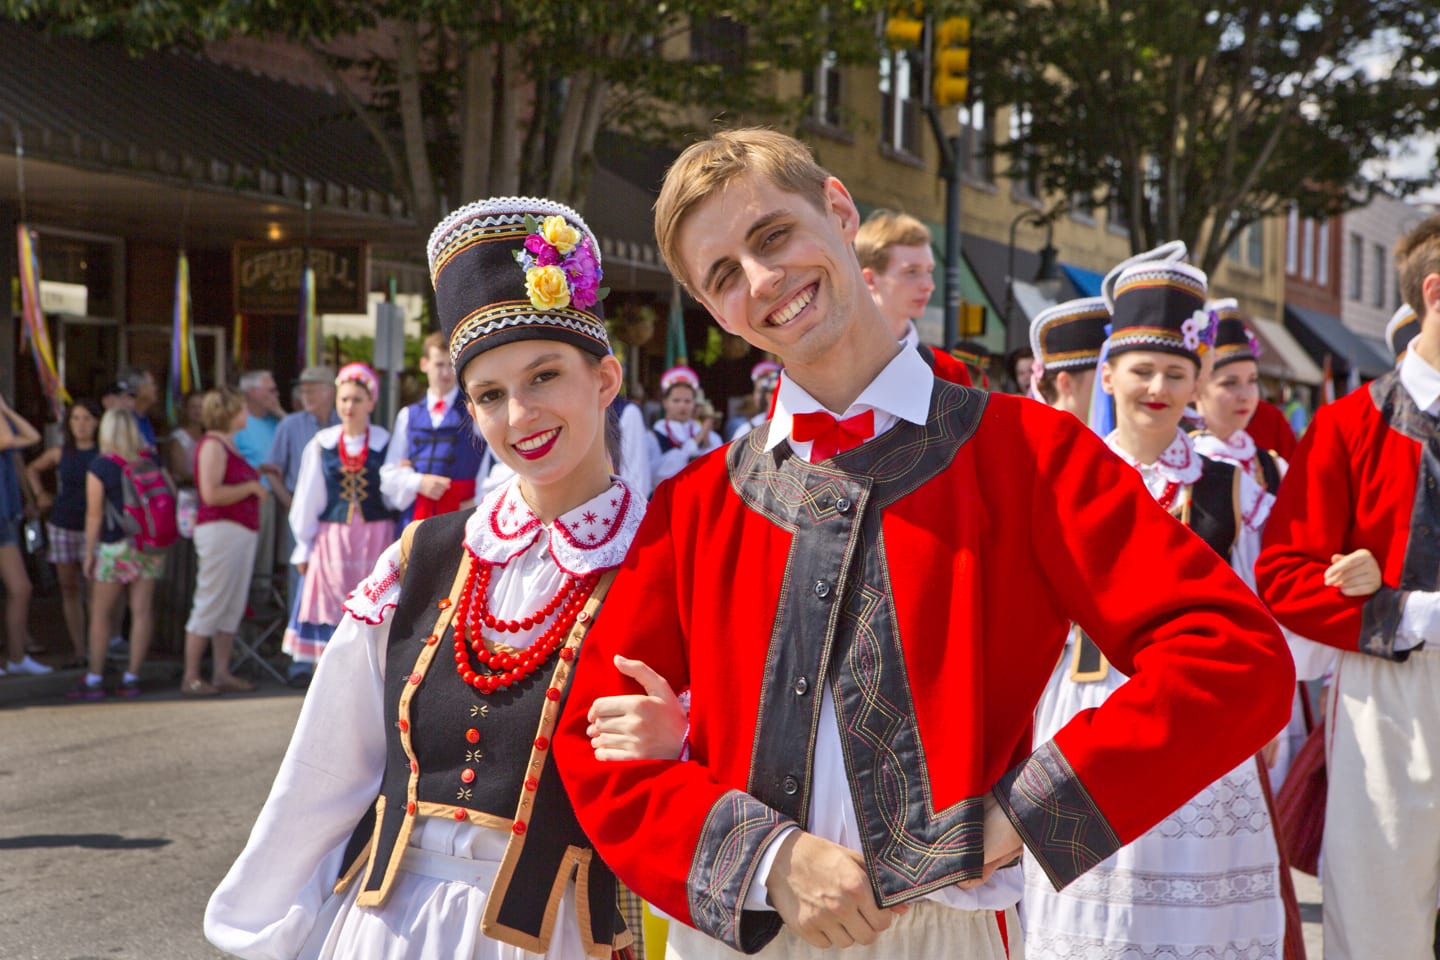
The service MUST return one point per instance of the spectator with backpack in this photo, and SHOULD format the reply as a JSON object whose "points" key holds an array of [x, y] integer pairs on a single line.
{"points": [[227, 530], [129, 524]]}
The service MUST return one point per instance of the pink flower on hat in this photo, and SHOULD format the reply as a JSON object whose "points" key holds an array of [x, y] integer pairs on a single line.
{"points": [[554, 243]]}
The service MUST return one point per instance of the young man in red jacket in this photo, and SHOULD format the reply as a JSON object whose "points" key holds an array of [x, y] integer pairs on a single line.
{"points": [[1351, 558], [866, 608]]}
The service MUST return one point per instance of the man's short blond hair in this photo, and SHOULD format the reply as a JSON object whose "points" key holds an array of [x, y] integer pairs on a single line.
{"points": [[1417, 255], [884, 229], [435, 341], [710, 165]]}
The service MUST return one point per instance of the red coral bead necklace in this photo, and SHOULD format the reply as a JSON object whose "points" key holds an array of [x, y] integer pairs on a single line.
{"points": [[498, 669]]}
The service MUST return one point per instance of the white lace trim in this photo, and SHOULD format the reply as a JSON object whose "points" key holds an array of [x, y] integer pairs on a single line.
{"points": [[1238, 449], [375, 596], [594, 536], [1179, 463]]}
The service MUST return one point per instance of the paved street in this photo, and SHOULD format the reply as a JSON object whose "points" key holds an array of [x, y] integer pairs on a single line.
{"points": [[120, 817]]}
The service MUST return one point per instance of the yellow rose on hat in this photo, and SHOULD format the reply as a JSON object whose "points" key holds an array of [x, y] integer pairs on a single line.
{"points": [[547, 287], [559, 234]]}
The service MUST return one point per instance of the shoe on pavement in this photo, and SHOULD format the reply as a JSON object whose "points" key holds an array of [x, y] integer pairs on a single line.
{"points": [[128, 688], [87, 691], [29, 666]]}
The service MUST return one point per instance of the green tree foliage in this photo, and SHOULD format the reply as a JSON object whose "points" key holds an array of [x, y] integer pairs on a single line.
{"points": [[466, 98], [1202, 118]]}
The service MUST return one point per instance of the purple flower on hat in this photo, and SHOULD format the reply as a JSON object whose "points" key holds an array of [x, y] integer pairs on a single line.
{"points": [[1190, 330], [584, 273], [1254, 342], [545, 253]]}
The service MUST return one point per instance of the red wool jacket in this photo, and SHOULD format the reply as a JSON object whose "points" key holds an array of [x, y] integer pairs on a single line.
{"points": [[1352, 484], [930, 576]]}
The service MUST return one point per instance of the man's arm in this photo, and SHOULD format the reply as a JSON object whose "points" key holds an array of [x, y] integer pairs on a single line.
{"points": [[399, 481], [1309, 526]]}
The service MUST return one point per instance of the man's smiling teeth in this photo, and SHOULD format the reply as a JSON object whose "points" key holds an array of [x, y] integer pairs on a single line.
{"points": [[787, 313], [537, 441]]}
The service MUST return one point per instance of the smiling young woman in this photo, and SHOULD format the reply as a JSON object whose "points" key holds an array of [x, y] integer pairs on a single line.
{"points": [[401, 820]]}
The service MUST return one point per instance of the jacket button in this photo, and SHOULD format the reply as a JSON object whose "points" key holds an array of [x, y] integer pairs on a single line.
{"points": [[842, 505], [822, 589], [801, 685], [790, 785]]}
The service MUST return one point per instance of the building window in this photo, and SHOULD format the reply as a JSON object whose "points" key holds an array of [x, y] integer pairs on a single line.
{"points": [[1322, 253], [1307, 249], [902, 79], [1022, 165], [1357, 267], [980, 161], [823, 86], [1380, 284], [1292, 242], [718, 40]]}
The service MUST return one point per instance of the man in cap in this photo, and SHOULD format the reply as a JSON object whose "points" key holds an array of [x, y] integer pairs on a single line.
{"points": [[862, 688]]}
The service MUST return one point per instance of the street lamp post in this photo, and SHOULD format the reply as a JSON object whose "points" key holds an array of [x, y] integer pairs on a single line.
{"points": [[1047, 275]]}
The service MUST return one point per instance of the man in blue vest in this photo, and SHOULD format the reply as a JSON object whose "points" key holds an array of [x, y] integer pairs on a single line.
{"points": [[436, 458]]}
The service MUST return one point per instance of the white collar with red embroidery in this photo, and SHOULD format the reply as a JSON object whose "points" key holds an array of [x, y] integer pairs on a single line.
{"points": [[1178, 464], [1238, 448], [594, 536]]}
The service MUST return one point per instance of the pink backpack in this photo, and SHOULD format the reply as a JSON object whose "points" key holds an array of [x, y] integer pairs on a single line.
{"points": [[148, 516]]}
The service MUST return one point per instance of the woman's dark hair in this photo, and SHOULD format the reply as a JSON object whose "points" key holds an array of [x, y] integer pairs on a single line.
{"points": [[89, 405]]}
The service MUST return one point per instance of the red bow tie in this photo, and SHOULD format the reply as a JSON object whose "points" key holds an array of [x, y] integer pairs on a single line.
{"points": [[439, 406], [830, 436]]}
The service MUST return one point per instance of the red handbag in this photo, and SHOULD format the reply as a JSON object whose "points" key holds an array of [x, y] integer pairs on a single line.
{"points": [[1300, 805]]}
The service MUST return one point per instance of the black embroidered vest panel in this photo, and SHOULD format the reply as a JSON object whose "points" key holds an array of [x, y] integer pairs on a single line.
{"points": [[454, 752], [1214, 512], [834, 623], [1269, 471]]}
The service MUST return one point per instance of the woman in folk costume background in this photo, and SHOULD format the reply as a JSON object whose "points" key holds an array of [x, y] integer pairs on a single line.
{"points": [[429, 718], [681, 438], [1227, 398], [1206, 880], [340, 519]]}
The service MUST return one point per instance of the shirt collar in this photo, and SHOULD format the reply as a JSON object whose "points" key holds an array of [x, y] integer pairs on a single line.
{"points": [[1421, 380], [1178, 464], [1239, 447], [901, 391], [431, 397], [593, 536], [911, 340]]}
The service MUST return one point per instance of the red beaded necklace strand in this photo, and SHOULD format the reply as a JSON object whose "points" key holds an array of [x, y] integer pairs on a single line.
{"points": [[505, 669], [356, 463]]}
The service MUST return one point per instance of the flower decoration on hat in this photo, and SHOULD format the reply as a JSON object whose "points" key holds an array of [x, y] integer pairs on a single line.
{"points": [[560, 266], [1198, 332], [1254, 342]]}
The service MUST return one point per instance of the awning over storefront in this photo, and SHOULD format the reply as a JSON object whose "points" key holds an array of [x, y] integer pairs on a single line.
{"points": [[1086, 281], [1321, 334], [992, 263], [1281, 356]]}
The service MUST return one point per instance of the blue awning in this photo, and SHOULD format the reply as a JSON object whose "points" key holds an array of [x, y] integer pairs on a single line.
{"points": [[1086, 281]]}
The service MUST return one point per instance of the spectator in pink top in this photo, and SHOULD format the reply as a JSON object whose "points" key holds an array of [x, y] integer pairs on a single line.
{"points": [[227, 526]]}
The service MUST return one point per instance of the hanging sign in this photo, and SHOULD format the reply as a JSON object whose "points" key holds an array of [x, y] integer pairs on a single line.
{"points": [[269, 277]]}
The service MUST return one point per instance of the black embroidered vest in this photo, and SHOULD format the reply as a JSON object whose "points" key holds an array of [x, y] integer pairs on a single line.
{"points": [[456, 753]]}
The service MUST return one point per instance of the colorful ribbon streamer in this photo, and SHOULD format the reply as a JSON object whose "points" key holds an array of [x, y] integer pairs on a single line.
{"points": [[182, 344], [309, 321], [35, 329]]}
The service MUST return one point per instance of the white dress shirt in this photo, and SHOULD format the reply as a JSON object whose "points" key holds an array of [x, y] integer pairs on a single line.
{"points": [[1420, 618], [900, 392]]}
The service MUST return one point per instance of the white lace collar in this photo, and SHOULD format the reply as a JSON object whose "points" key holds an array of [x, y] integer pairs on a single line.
{"points": [[330, 437], [594, 536], [1238, 448], [1178, 464]]}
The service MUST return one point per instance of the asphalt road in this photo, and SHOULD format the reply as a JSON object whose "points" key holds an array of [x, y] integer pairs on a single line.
{"points": [[117, 820]]}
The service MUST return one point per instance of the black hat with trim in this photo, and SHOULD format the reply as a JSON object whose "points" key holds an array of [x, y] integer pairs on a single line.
{"points": [[1069, 335], [1160, 305], [1233, 339], [1403, 327], [516, 268]]}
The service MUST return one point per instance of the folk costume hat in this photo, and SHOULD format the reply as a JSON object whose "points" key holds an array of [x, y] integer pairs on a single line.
{"points": [[1233, 339], [676, 375], [359, 373], [1403, 327], [516, 268], [1160, 306], [1069, 335], [1171, 252]]}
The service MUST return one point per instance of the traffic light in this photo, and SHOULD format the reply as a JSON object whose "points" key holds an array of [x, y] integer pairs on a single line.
{"points": [[972, 320], [905, 26], [952, 62]]}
